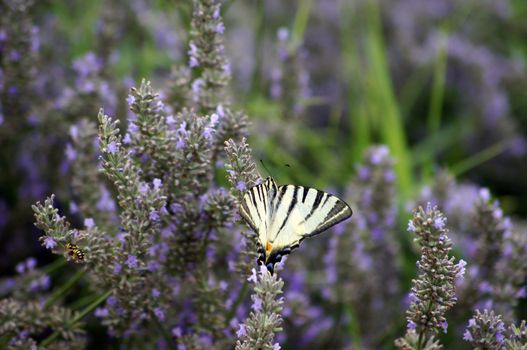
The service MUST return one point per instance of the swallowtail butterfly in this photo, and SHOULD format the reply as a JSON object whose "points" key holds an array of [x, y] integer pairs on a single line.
{"points": [[282, 216]]}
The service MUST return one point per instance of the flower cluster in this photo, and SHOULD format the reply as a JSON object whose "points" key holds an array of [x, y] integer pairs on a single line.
{"points": [[258, 330], [433, 292], [20, 320], [289, 85], [206, 52], [498, 251], [91, 198], [18, 44], [486, 331]]}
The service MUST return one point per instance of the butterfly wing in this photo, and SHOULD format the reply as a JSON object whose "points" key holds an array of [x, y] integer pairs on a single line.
{"points": [[301, 212], [256, 207]]}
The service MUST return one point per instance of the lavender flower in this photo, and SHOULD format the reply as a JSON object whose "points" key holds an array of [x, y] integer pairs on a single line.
{"points": [[29, 318], [500, 254], [49, 242], [486, 331], [365, 261], [290, 80], [518, 336], [258, 331], [206, 50], [433, 291], [92, 198]]}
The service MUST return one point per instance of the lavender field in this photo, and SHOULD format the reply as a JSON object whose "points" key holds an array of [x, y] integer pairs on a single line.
{"points": [[132, 131]]}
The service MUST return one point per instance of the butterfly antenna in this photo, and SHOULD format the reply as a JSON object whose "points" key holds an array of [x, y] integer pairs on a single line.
{"points": [[263, 164]]}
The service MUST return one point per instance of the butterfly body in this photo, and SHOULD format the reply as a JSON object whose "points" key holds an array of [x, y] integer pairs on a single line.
{"points": [[282, 216]]}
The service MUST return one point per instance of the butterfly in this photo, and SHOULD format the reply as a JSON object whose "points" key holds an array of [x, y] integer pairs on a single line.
{"points": [[282, 216]]}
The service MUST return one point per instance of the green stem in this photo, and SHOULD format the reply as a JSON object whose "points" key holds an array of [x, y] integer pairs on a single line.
{"points": [[237, 302], [299, 26], [64, 288], [480, 157], [55, 265], [77, 318], [82, 302], [419, 341], [436, 99], [4, 340], [353, 327], [383, 101], [165, 333], [422, 329], [260, 31], [351, 68]]}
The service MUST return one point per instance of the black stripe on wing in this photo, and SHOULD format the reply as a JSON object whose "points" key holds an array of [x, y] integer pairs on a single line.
{"points": [[245, 212], [250, 205], [339, 212], [290, 208], [316, 203]]}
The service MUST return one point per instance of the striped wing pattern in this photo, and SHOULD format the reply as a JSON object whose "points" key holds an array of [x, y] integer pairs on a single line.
{"points": [[283, 216]]}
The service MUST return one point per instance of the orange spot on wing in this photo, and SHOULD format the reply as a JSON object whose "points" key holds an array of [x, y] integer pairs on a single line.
{"points": [[268, 246]]}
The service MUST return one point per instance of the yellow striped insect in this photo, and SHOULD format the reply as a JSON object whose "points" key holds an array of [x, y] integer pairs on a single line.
{"points": [[75, 252]]}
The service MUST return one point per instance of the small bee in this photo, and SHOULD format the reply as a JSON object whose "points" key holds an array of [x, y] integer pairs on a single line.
{"points": [[75, 252]]}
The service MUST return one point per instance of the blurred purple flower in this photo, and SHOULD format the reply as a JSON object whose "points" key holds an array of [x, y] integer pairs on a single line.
{"points": [[143, 188], [241, 186], [160, 314], [157, 183], [87, 65], [220, 28], [153, 215], [177, 332], [131, 261], [133, 128], [89, 223], [117, 268], [106, 202], [14, 55], [242, 331], [31, 263], [207, 133], [253, 277], [282, 34], [49, 242], [411, 226], [20, 268], [127, 139], [461, 269], [257, 304], [439, 222], [71, 154], [101, 312], [112, 147], [444, 326], [197, 85]]}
